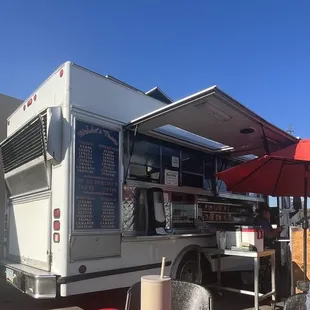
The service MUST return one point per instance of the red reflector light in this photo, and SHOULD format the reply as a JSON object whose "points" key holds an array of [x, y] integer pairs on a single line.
{"points": [[34, 97], [61, 72], [29, 103], [56, 225], [56, 213], [56, 237]]}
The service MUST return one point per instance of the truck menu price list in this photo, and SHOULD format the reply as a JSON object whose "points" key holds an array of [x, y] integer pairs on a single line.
{"points": [[96, 177]]}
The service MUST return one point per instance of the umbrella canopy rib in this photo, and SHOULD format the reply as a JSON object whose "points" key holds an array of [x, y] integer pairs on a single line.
{"points": [[278, 179], [250, 174]]}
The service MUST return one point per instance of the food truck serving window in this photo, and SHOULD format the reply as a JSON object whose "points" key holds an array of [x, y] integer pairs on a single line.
{"points": [[145, 158], [154, 161], [192, 168]]}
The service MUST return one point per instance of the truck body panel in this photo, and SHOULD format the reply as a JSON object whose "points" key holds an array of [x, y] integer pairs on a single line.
{"points": [[102, 97], [8, 105], [29, 231], [139, 257]]}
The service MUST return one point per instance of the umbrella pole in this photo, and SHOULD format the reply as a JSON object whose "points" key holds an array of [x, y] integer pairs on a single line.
{"points": [[305, 222]]}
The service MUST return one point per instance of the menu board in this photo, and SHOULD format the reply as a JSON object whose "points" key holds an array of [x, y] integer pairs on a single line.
{"points": [[96, 204]]}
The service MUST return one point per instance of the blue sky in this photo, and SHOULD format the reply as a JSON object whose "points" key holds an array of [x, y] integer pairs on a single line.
{"points": [[257, 51]]}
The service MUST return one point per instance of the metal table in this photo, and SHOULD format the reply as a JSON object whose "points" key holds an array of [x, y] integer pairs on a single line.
{"points": [[256, 258]]}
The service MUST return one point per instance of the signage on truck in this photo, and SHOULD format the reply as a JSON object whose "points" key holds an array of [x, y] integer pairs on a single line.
{"points": [[96, 201]]}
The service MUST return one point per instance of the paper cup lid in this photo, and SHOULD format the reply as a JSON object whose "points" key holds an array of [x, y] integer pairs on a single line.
{"points": [[155, 278]]}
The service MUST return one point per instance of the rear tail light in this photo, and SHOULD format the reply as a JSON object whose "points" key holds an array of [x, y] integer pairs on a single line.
{"points": [[56, 213], [56, 237], [56, 225]]}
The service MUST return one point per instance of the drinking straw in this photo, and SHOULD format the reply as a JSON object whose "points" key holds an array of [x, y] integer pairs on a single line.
{"points": [[163, 261]]}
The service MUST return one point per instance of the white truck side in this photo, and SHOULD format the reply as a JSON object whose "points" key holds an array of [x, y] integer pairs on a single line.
{"points": [[8, 105], [63, 232]]}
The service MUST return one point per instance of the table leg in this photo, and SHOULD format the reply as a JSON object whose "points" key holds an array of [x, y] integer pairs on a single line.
{"points": [[256, 283], [273, 277], [218, 273]]}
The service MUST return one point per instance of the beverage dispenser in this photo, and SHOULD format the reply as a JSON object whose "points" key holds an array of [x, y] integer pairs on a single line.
{"points": [[156, 211]]}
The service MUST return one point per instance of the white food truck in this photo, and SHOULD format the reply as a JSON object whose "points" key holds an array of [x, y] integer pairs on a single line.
{"points": [[103, 180]]}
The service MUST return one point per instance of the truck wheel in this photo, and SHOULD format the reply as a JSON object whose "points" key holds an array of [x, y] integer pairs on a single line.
{"points": [[189, 269]]}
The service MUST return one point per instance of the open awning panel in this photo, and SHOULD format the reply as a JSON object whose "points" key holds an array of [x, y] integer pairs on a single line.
{"points": [[213, 120]]}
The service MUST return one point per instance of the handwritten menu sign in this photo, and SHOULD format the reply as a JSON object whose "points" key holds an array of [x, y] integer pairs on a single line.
{"points": [[96, 177]]}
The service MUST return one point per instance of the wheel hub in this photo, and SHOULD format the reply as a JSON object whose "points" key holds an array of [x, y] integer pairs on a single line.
{"points": [[191, 272]]}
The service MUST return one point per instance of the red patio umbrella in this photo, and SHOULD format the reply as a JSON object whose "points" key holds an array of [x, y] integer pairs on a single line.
{"points": [[282, 173]]}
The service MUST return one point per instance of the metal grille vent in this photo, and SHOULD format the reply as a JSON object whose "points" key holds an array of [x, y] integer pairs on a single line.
{"points": [[26, 144]]}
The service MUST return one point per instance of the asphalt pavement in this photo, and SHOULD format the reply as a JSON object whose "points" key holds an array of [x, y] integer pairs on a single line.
{"points": [[12, 299]]}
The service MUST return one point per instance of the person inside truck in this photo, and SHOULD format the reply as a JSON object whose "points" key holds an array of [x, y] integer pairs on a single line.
{"points": [[263, 220]]}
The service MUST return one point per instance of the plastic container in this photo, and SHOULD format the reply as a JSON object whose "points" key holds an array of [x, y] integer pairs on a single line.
{"points": [[221, 239], [233, 238], [238, 237], [253, 236]]}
